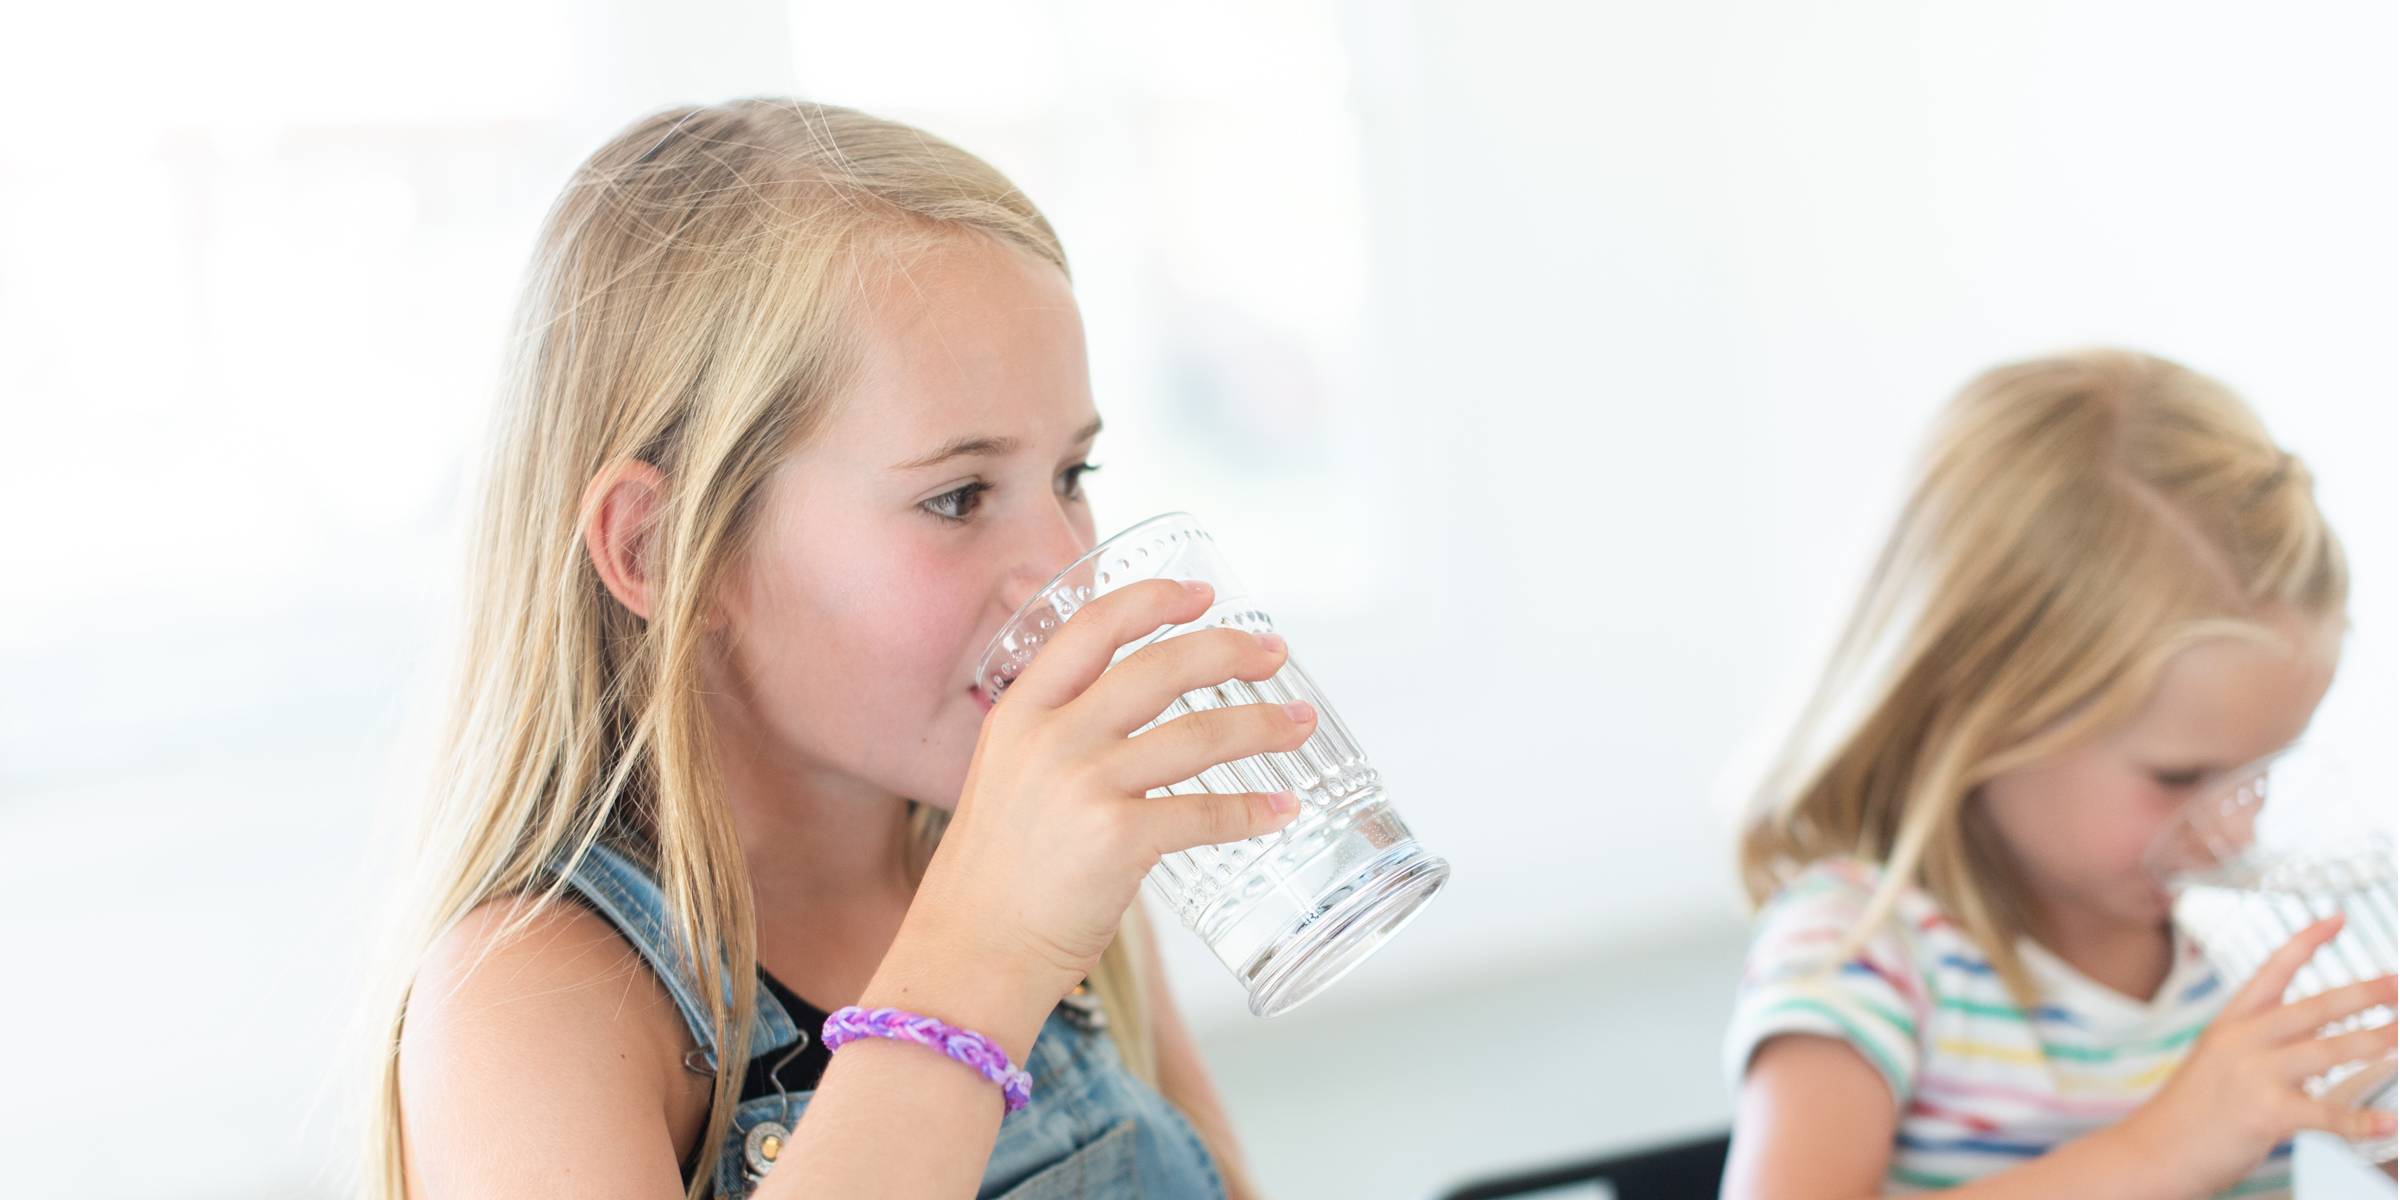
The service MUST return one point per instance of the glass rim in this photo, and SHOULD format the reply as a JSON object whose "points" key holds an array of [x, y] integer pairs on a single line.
{"points": [[983, 665], [2206, 802]]}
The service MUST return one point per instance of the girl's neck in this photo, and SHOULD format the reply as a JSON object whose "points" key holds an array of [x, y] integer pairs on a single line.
{"points": [[830, 857], [817, 842], [2132, 959], [812, 836], [830, 873], [815, 839]]}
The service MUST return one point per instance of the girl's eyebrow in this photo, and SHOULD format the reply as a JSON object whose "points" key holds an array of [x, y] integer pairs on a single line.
{"points": [[958, 447], [984, 445]]}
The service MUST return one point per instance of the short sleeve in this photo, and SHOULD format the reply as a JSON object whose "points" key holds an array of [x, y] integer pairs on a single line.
{"points": [[1872, 999]]}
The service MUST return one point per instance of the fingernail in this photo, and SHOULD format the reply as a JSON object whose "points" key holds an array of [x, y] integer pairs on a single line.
{"points": [[1196, 587], [1299, 711], [1271, 641], [1283, 802]]}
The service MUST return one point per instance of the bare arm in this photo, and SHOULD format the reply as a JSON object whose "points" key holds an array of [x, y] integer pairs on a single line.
{"points": [[892, 1119], [552, 1064], [544, 1064], [1815, 1121]]}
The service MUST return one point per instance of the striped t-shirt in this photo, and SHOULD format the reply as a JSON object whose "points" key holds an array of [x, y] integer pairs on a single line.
{"points": [[1982, 1084]]}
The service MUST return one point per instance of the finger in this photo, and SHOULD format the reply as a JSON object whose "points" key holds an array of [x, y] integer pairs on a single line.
{"points": [[1083, 646], [1190, 744], [2303, 1018], [1137, 690], [2308, 1059], [1175, 823], [2341, 1120], [2265, 989]]}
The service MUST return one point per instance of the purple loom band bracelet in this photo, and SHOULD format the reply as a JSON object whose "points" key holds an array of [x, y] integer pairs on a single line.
{"points": [[967, 1046]]}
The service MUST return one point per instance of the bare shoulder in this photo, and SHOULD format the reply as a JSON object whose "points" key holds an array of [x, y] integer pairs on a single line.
{"points": [[566, 969], [1814, 1119], [541, 1049]]}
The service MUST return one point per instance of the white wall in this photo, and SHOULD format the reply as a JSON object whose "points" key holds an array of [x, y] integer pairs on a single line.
{"points": [[1552, 367], [1663, 298]]}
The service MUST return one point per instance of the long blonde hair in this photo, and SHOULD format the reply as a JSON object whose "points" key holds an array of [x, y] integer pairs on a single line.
{"points": [[690, 305], [2078, 519]]}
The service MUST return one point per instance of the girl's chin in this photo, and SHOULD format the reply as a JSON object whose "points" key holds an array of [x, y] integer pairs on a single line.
{"points": [[2153, 903]]}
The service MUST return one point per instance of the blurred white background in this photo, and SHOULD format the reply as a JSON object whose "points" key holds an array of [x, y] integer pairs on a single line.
{"points": [[1553, 368]]}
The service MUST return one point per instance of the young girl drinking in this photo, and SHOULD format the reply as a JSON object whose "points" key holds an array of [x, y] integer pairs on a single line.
{"points": [[2108, 588], [799, 414]]}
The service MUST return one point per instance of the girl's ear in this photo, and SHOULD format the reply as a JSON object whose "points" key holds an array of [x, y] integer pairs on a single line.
{"points": [[619, 509]]}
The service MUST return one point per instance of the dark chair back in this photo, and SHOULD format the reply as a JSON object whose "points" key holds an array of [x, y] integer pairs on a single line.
{"points": [[1688, 1170]]}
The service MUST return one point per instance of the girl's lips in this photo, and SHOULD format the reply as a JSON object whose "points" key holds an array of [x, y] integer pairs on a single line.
{"points": [[981, 701]]}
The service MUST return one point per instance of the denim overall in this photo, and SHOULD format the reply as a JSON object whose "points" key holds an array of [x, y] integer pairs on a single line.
{"points": [[1091, 1131]]}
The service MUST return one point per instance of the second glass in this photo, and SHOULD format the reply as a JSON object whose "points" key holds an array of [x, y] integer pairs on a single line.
{"points": [[1292, 912], [2246, 877]]}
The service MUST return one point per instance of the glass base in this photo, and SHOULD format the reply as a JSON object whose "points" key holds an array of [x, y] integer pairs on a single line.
{"points": [[1319, 951], [1292, 912], [1280, 911]]}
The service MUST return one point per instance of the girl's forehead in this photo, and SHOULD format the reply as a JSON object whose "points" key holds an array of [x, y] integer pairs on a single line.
{"points": [[972, 340], [2227, 700]]}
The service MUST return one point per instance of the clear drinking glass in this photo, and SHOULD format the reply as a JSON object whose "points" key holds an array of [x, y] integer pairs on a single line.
{"points": [[1294, 911], [2247, 876]]}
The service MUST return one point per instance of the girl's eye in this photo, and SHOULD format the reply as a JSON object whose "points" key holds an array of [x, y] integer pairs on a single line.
{"points": [[2179, 779], [1070, 481], [959, 503]]}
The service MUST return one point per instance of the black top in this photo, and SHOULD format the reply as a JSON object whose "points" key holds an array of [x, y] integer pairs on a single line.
{"points": [[802, 1071]]}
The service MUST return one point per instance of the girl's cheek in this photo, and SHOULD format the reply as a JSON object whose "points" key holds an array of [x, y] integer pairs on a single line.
{"points": [[930, 609], [2132, 844]]}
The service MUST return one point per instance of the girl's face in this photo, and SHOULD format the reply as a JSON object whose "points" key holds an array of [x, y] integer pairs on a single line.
{"points": [[2077, 825], [943, 489]]}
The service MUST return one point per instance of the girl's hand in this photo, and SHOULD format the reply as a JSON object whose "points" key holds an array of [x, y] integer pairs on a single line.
{"points": [[1054, 829], [2238, 1095]]}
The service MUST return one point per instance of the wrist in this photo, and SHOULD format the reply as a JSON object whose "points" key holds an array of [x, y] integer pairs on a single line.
{"points": [[2138, 1164], [955, 980], [964, 1046]]}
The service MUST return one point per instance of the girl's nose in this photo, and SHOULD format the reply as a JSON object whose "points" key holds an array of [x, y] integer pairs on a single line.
{"points": [[1053, 542]]}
